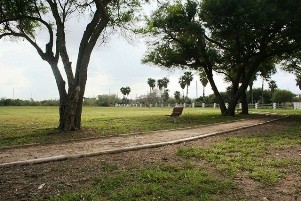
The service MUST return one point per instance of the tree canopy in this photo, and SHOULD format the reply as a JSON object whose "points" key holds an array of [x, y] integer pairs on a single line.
{"points": [[235, 38]]}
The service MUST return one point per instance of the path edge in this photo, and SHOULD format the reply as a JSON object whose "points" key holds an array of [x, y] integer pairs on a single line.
{"points": [[130, 148]]}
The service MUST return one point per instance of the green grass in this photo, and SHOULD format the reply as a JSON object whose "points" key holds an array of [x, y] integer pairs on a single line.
{"points": [[25, 125], [241, 154], [254, 157], [162, 182], [279, 111]]}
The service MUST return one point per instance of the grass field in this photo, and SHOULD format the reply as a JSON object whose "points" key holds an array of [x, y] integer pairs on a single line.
{"points": [[26, 125], [263, 162]]}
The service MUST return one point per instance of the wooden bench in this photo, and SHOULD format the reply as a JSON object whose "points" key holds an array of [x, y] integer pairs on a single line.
{"points": [[177, 111]]}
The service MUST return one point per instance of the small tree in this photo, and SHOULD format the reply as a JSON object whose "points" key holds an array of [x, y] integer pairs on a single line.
{"points": [[272, 86], [165, 95], [177, 96]]}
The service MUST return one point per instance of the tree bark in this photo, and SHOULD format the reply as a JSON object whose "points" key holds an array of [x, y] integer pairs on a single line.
{"points": [[244, 104], [241, 90], [215, 90]]}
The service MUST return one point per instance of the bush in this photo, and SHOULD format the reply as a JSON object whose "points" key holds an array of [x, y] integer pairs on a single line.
{"points": [[281, 96]]}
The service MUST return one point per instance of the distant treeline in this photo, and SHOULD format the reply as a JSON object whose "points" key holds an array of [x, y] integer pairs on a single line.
{"points": [[18, 102], [254, 96]]}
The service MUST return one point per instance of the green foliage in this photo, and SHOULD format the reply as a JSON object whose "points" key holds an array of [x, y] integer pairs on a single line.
{"points": [[298, 81], [21, 12], [242, 38], [107, 100], [165, 96], [267, 176], [151, 83], [212, 98], [281, 96], [272, 85], [257, 96], [90, 102], [177, 96], [18, 102]]}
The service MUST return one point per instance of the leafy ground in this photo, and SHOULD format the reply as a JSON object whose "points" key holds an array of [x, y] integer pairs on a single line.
{"points": [[259, 163], [26, 125]]}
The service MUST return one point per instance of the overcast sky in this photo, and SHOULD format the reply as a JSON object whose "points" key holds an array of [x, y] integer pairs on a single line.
{"points": [[23, 74]]}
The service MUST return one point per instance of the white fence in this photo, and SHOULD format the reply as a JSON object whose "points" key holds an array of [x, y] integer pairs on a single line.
{"points": [[297, 105], [274, 106]]}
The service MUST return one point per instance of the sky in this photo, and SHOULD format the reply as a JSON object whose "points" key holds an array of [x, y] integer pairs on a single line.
{"points": [[116, 64]]}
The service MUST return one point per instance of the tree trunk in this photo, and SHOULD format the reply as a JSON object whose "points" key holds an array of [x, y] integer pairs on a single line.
{"points": [[241, 90], [262, 90], [70, 108], [220, 100], [232, 103], [244, 103], [187, 92], [251, 92]]}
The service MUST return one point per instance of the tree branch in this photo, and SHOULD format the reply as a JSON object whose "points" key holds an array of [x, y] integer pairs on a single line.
{"points": [[61, 42]]}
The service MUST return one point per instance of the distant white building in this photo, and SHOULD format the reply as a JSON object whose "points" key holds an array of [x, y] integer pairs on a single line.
{"points": [[297, 105]]}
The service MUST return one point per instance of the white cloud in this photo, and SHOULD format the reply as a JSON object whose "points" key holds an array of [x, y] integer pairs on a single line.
{"points": [[13, 80], [112, 66]]}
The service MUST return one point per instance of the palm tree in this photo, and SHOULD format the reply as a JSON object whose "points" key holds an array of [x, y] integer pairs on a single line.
{"points": [[165, 81], [188, 77], [272, 86], [298, 80], [123, 91], [177, 96], [160, 84], [152, 83], [204, 81], [182, 84], [127, 91]]}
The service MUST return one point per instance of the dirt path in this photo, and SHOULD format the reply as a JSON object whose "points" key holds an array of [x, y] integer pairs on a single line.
{"points": [[52, 152]]}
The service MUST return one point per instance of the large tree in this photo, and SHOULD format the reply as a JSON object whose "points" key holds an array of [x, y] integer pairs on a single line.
{"points": [[25, 18], [231, 37]]}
